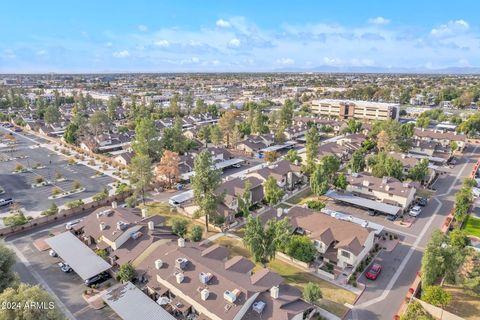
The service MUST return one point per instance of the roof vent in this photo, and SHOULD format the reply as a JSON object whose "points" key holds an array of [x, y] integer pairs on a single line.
{"points": [[274, 292], [365, 183], [136, 235], [103, 226], [181, 242], [231, 296], [258, 306], [158, 264], [121, 225], [179, 277], [181, 263], [204, 294], [150, 225], [204, 277], [114, 204]]}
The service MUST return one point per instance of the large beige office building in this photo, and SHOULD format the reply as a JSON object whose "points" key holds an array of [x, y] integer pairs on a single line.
{"points": [[345, 109]]}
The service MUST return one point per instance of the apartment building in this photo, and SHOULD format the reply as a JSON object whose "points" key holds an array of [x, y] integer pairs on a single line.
{"points": [[340, 242], [362, 110], [387, 190]]}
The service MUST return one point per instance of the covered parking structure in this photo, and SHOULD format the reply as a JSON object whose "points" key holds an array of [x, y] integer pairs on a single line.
{"points": [[77, 255], [130, 303], [363, 202]]}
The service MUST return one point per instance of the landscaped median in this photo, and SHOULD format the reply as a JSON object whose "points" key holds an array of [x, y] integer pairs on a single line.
{"points": [[334, 297]]}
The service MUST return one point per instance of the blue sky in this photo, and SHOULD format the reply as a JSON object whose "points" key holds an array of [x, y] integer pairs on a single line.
{"points": [[156, 36]]}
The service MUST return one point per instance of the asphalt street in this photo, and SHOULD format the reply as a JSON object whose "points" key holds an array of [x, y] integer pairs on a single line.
{"points": [[382, 298]]}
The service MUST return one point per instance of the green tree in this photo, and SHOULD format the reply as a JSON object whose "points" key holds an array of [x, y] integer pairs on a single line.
{"points": [[459, 239], [99, 122], [102, 253], [226, 124], [216, 135], [357, 162], [24, 294], [353, 127], [263, 241], [71, 133], [126, 272], [437, 296], [52, 210], [204, 184], [245, 201], [141, 175], [179, 226], [301, 248], [415, 311], [286, 114], [8, 278], [423, 122], [272, 192], [204, 134], [383, 165], [311, 149], [330, 165], [147, 141], [196, 233], [52, 114], [293, 157], [420, 171], [341, 181], [312, 292], [319, 181], [453, 145]]}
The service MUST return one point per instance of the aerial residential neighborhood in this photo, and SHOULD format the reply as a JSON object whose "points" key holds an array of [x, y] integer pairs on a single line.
{"points": [[227, 161]]}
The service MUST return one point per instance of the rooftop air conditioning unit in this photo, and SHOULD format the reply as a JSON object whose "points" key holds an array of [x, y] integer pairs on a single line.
{"points": [[204, 277], [204, 294], [158, 264], [181, 263], [179, 277]]}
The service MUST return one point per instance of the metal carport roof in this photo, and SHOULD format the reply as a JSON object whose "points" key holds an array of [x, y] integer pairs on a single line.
{"points": [[363, 202], [130, 303], [78, 255]]}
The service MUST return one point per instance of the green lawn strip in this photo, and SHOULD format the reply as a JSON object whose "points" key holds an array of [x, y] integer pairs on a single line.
{"points": [[472, 226]]}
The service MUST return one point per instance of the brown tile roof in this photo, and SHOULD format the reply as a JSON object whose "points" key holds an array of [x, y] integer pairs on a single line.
{"points": [[320, 225], [440, 135], [385, 184]]}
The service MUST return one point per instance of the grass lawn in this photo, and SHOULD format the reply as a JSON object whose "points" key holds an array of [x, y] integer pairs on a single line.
{"points": [[472, 226], [333, 297], [300, 196], [165, 210], [465, 303]]}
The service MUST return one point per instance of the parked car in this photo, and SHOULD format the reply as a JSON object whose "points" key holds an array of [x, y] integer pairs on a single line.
{"points": [[52, 253], [415, 211], [179, 186], [236, 165], [391, 217], [374, 271], [372, 212], [422, 202], [71, 224], [6, 202], [99, 278], [476, 192], [65, 267]]}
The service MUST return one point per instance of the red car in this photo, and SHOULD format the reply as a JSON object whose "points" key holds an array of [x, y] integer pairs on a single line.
{"points": [[374, 271]]}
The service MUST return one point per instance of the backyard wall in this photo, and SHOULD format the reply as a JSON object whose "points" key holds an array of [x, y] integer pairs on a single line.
{"points": [[62, 215]]}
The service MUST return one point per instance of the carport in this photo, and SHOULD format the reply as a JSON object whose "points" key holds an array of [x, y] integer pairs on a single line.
{"points": [[363, 202], [130, 303], [78, 255]]}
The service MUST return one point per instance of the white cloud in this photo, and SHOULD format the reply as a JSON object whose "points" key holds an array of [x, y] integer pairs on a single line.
{"points": [[451, 28], [109, 44], [234, 43], [285, 61], [379, 20], [121, 54], [42, 52], [331, 61], [142, 28], [223, 23], [161, 43]]}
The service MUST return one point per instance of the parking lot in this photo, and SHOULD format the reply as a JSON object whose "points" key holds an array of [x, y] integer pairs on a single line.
{"points": [[38, 267], [46, 164]]}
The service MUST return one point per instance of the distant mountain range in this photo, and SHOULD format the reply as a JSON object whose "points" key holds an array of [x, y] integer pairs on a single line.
{"points": [[333, 69]]}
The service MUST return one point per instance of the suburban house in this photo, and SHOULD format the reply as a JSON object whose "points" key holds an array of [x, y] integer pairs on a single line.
{"points": [[442, 137], [387, 189], [234, 189], [192, 281], [125, 157], [295, 132], [287, 174], [342, 243], [253, 144]]}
